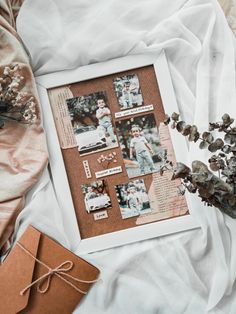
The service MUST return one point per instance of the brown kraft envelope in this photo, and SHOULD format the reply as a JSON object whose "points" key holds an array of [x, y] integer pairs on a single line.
{"points": [[58, 292]]}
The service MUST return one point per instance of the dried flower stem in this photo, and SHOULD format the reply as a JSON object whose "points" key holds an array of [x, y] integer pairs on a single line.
{"points": [[15, 104]]}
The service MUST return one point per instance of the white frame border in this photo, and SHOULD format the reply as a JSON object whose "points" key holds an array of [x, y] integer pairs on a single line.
{"points": [[58, 171]]}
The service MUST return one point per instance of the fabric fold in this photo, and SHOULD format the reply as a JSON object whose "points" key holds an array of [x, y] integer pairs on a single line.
{"points": [[23, 152]]}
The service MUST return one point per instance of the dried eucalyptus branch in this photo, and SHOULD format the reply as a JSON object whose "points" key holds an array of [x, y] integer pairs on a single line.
{"points": [[14, 103], [215, 190]]}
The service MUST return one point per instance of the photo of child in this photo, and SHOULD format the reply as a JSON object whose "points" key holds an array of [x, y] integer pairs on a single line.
{"points": [[103, 114], [128, 91], [140, 148], [96, 196], [133, 199], [92, 123], [140, 145]]}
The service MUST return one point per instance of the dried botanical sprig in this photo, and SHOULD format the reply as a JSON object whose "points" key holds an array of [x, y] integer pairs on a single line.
{"points": [[15, 104], [105, 160], [219, 191]]}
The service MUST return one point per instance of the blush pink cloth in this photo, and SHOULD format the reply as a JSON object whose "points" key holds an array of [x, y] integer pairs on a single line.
{"points": [[23, 152]]}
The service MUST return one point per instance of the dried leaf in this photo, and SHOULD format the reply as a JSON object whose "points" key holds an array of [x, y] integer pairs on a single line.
{"points": [[207, 136], [219, 143], [226, 149], [231, 199], [193, 131], [196, 137], [175, 116], [167, 120], [214, 166], [203, 145], [229, 138], [180, 126], [212, 147], [222, 155], [213, 126], [227, 120], [232, 164], [186, 130], [207, 192], [180, 171], [191, 188]]}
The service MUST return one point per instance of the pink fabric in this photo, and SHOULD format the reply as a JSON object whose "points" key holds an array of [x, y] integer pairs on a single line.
{"points": [[23, 153]]}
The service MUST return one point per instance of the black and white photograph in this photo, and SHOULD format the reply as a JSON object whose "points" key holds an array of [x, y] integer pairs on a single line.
{"points": [[133, 199], [96, 196], [140, 144], [128, 91], [92, 123]]}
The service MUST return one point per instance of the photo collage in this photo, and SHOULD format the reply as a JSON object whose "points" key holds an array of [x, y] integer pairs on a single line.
{"points": [[134, 133], [120, 144]]}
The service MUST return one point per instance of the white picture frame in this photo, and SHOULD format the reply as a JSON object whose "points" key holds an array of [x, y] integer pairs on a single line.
{"points": [[59, 176]]}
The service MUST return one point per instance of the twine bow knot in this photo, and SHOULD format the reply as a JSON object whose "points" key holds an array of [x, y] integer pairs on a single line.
{"points": [[59, 271]]}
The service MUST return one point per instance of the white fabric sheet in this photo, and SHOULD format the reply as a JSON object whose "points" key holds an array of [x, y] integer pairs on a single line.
{"points": [[192, 272]]}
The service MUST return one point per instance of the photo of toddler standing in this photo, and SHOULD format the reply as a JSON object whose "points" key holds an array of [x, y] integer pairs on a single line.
{"points": [[143, 151]]}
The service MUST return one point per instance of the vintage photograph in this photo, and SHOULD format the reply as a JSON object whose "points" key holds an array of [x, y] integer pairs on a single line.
{"points": [[128, 91], [96, 196], [92, 123], [140, 144], [133, 199]]}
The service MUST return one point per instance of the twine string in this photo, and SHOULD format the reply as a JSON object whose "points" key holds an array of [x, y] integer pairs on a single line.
{"points": [[59, 271]]}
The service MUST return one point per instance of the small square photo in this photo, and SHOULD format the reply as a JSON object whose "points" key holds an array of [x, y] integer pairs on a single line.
{"points": [[92, 123], [133, 199], [140, 144], [128, 91], [96, 196]]}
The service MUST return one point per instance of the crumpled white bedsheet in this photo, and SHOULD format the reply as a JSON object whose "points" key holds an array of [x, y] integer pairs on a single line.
{"points": [[191, 272]]}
